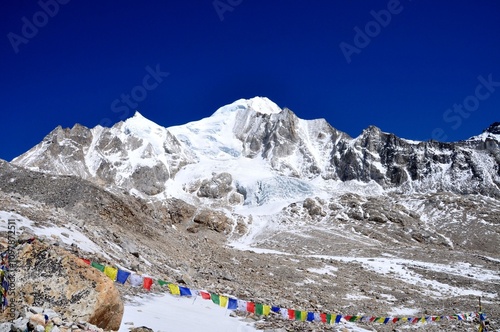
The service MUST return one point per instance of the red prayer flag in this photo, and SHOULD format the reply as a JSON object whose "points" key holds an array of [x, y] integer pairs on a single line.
{"points": [[147, 283], [251, 307], [205, 295], [323, 317], [291, 314], [86, 261]]}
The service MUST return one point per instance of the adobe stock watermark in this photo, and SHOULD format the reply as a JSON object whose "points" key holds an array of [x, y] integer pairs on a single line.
{"points": [[138, 93], [30, 28], [363, 38], [13, 265], [470, 104], [222, 6]]}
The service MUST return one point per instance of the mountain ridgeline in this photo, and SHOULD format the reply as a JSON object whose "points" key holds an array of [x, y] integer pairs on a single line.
{"points": [[138, 154]]}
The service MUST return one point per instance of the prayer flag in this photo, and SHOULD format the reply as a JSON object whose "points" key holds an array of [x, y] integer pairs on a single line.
{"points": [[284, 313], [251, 307], [223, 301], [111, 272], [258, 309], [215, 298], [184, 291], [147, 283], [232, 303], [98, 266], [174, 289], [204, 295], [266, 310], [162, 282], [242, 305], [122, 276], [135, 280]]}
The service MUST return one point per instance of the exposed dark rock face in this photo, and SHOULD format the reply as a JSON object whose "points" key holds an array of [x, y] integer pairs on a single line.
{"points": [[102, 155]]}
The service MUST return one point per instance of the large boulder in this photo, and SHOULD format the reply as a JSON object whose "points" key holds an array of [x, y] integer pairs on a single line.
{"points": [[48, 276]]}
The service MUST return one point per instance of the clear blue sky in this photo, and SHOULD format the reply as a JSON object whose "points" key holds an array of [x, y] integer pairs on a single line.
{"points": [[403, 73]]}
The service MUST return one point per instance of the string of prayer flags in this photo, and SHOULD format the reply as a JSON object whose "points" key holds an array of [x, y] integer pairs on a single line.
{"points": [[261, 309]]}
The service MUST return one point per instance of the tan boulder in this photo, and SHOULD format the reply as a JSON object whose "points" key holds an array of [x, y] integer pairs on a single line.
{"points": [[54, 278]]}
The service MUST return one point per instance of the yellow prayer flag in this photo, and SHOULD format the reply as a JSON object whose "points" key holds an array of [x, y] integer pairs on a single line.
{"points": [[266, 310], [223, 301], [111, 272], [174, 289]]}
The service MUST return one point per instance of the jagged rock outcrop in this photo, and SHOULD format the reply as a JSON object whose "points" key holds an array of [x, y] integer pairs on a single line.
{"points": [[135, 154], [216, 187], [50, 277]]}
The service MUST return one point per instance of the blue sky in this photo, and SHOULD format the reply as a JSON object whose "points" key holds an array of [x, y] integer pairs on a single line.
{"points": [[420, 69]]}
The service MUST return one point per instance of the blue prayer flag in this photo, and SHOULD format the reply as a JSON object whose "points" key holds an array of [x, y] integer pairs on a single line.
{"points": [[232, 303], [184, 291], [122, 276]]}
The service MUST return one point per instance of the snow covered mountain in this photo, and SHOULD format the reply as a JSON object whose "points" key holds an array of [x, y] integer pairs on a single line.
{"points": [[373, 224], [262, 146]]}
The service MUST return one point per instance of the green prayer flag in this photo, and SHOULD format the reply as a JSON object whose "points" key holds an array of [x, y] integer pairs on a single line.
{"points": [[259, 309], [161, 282], [98, 266], [215, 298]]}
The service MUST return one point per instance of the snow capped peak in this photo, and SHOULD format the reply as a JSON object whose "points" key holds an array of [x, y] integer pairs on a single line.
{"points": [[141, 126], [263, 105], [260, 105]]}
